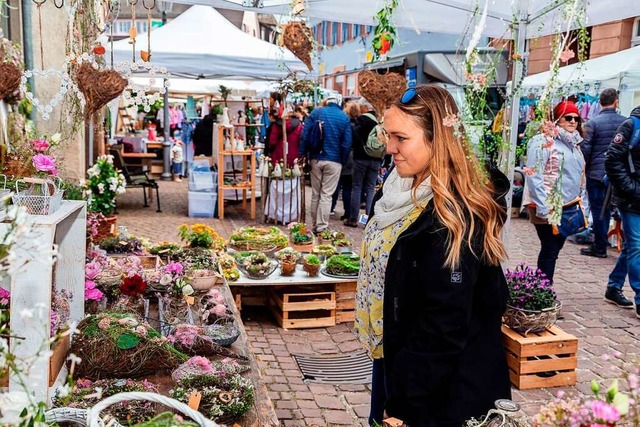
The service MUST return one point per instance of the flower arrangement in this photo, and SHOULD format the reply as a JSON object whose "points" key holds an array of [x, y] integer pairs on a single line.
{"points": [[214, 308], [42, 160], [5, 303], [529, 289], [104, 183], [173, 277], [190, 339], [164, 249], [229, 267], [257, 265], [199, 365], [196, 259], [60, 310], [117, 345], [225, 397], [122, 245], [201, 236], [324, 250], [94, 219], [300, 234], [258, 238], [86, 393]]}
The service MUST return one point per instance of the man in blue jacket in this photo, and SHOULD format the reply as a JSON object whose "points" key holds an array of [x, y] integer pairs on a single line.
{"points": [[326, 164], [599, 132]]}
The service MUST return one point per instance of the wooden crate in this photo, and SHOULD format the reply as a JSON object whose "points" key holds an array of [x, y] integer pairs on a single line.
{"points": [[345, 302], [544, 359], [303, 309]]}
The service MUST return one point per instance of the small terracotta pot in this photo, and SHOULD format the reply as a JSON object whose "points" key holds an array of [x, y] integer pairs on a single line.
{"points": [[311, 269], [287, 269]]}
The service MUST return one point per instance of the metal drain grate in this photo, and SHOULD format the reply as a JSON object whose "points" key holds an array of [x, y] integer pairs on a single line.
{"points": [[351, 368]]}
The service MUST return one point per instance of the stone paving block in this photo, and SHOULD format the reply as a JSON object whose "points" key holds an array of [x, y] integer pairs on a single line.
{"points": [[338, 417], [286, 404], [303, 395], [322, 389], [328, 402], [362, 411], [284, 414], [352, 387], [311, 412], [306, 404], [315, 422], [357, 398]]}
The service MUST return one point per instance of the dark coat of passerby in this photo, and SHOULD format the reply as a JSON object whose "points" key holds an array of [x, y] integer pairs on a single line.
{"points": [[622, 165], [598, 134], [203, 136]]}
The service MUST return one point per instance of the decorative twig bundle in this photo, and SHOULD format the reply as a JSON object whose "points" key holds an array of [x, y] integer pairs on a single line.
{"points": [[297, 38], [381, 90], [9, 79], [98, 87]]}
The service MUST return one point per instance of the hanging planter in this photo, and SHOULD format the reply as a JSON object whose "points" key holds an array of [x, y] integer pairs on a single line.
{"points": [[98, 86], [381, 90], [297, 37]]}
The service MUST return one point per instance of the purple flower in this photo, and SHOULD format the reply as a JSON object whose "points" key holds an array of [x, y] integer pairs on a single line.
{"points": [[91, 270], [4, 294], [44, 163], [90, 291]]}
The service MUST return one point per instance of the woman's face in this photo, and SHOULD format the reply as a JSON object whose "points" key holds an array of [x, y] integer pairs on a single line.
{"points": [[406, 142], [569, 122]]}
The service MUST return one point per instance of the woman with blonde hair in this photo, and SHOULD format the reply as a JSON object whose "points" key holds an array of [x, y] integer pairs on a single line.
{"points": [[431, 270]]}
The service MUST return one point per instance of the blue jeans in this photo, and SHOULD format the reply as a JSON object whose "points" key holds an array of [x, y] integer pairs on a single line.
{"points": [[365, 176], [597, 191], [629, 260], [550, 247], [378, 392]]}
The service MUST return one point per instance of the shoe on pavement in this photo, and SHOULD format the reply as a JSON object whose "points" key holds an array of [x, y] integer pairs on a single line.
{"points": [[332, 213], [351, 223], [638, 312], [590, 251], [615, 296]]}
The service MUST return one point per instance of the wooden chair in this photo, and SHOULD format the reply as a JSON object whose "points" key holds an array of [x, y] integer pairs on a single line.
{"points": [[137, 179]]}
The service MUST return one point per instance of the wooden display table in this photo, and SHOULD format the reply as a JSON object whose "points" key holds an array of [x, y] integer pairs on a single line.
{"points": [[300, 301]]}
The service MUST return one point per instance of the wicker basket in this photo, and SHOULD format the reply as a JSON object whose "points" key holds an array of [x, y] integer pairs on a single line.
{"points": [[9, 79], [42, 197], [381, 90], [525, 321]]}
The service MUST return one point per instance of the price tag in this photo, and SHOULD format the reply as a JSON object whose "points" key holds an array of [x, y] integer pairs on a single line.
{"points": [[190, 300], [194, 400]]}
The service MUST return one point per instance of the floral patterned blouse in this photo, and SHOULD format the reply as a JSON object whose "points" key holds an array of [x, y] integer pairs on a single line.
{"points": [[376, 246]]}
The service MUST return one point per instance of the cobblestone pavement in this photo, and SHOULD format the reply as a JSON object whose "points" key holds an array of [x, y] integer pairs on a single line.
{"points": [[580, 282]]}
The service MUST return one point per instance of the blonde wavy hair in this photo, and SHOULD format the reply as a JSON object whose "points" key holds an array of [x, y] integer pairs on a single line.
{"points": [[462, 194]]}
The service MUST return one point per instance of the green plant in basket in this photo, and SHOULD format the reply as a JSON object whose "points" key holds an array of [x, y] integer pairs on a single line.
{"points": [[164, 249], [311, 260], [300, 234], [257, 264], [104, 183], [257, 238], [324, 250], [288, 255], [196, 259]]}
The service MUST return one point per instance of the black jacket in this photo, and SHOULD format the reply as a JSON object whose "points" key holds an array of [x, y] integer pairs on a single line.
{"points": [[598, 133], [626, 186], [361, 130], [443, 354], [203, 136]]}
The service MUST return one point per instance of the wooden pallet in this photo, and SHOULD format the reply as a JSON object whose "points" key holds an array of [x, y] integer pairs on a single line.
{"points": [[345, 302], [544, 359], [303, 309]]}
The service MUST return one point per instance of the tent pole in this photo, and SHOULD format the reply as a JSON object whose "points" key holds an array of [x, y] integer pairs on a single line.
{"points": [[518, 69], [166, 144]]}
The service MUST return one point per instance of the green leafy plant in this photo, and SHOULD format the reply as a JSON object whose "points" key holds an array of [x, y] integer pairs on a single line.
{"points": [[201, 236], [344, 265], [312, 260], [103, 184], [385, 33]]}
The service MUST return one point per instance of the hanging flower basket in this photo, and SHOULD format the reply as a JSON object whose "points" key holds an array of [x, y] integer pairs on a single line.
{"points": [[9, 79], [381, 90], [525, 321], [98, 86], [40, 197], [296, 36]]}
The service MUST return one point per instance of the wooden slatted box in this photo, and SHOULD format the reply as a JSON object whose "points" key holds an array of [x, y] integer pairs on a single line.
{"points": [[543, 359], [303, 309], [345, 302]]}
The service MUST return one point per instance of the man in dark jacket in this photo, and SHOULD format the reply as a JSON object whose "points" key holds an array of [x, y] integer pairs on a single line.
{"points": [[365, 167], [203, 136], [623, 169], [327, 164], [599, 132]]}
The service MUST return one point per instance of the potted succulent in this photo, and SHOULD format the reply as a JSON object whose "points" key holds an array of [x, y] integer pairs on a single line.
{"points": [[202, 267], [326, 237], [343, 245], [301, 237], [324, 251], [257, 266], [288, 258], [532, 305], [311, 265]]}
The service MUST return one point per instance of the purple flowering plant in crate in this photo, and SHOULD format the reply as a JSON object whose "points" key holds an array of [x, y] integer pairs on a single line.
{"points": [[529, 288]]}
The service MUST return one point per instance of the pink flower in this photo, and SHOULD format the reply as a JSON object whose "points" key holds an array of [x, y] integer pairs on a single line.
{"points": [[44, 163], [200, 362], [141, 330], [40, 145], [90, 291], [450, 121], [91, 270], [4, 301], [84, 383], [604, 412], [174, 268], [4, 294], [566, 55], [219, 310], [104, 323]]}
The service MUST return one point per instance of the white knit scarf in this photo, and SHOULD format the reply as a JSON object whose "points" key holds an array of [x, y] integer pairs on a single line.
{"points": [[396, 201]]}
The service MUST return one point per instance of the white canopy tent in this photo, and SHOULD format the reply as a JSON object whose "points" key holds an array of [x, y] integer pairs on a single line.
{"points": [[203, 87], [201, 43], [444, 16], [620, 70]]}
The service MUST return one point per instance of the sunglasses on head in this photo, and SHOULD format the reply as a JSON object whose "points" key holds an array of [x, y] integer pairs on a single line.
{"points": [[572, 118], [409, 94]]}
